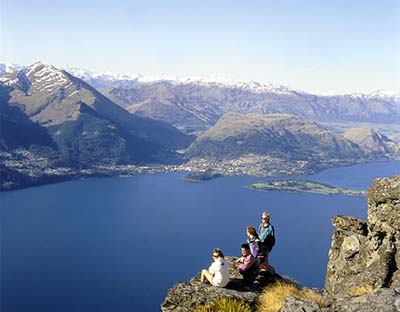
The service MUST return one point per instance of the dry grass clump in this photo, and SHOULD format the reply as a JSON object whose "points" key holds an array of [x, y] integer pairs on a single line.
{"points": [[360, 290], [225, 305], [271, 299]]}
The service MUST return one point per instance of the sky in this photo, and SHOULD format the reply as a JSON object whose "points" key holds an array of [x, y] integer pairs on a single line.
{"points": [[324, 47]]}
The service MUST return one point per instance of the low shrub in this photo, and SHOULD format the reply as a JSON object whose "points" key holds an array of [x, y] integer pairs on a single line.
{"points": [[225, 305], [271, 298]]}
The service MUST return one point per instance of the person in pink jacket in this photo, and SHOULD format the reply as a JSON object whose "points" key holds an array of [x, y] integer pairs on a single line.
{"points": [[247, 261]]}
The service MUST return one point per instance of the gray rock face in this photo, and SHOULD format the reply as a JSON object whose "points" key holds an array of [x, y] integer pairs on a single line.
{"points": [[292, 304], [381, 300], [367, 254]]}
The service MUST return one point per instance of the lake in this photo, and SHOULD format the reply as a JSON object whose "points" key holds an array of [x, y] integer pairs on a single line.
{"points": [[118, 244]]}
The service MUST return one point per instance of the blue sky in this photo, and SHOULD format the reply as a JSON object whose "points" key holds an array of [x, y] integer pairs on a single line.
{"points": [[317, 46]]}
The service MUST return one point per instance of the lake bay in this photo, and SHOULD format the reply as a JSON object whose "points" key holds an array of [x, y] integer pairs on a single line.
{"points": [[118, 244]]}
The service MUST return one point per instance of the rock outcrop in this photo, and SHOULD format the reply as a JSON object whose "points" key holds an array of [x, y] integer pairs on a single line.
{"points": [[380, 300], [292, 304], [367, 254], [184, 297]]}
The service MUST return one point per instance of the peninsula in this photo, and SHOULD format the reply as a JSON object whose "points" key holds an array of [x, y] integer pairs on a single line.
{"points": [[202, 176], [303, 186]]}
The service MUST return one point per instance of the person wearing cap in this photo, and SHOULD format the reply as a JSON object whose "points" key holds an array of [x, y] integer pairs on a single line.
{"points": [[266, 233], [218, 273]]}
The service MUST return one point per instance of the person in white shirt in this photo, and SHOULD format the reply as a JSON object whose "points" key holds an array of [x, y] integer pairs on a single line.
{"points": [[218, 273]]}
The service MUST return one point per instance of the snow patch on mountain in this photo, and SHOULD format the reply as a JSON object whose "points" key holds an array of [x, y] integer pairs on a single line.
{"points": [[88, 74], [6, 68], [385, 94], [45, 78], [208, 81], [48, 73]]}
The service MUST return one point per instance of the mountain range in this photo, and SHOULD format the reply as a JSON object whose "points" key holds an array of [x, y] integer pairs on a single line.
{"points": [[283, 144], [55, 122], [195, 104], [84, 125]]}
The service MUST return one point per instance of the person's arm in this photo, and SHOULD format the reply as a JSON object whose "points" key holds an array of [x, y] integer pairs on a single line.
{"points": [[268, 230], [248, 261], [212, 268], [256, 248], [262, 232]]}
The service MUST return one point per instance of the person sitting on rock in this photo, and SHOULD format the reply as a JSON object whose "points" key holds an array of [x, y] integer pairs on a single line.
{"points": [[247, 267], [253, 241], [218, 273], [266, 233]]}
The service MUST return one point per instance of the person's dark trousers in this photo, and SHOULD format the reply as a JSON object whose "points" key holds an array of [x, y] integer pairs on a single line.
{"points": [[250, 274]]}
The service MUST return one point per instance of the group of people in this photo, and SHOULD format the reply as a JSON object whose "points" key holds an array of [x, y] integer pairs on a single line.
{"points": [[254, 255]]}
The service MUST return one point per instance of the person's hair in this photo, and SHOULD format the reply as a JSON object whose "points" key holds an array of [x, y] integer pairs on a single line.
{"points": [[266, 215], [251, 230], [217, 251], [246, 246]]}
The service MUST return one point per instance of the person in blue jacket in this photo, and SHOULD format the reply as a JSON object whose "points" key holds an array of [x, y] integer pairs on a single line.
{"points": [[266, 234]]}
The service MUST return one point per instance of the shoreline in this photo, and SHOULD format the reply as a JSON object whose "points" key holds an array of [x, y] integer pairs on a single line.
{"points": [[131, 170]]}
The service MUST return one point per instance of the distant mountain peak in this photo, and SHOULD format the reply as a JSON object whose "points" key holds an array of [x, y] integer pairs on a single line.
{"points": [[385, 94], [43, 78], [208, 80], [8, 67], [103, 79], [88, 74]]}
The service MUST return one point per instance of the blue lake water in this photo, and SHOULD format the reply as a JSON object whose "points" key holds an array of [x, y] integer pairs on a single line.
{"points": [[118, 244]]}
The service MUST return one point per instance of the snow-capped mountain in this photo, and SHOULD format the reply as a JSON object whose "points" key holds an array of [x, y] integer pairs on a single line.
{"points": [[38, 77], [384, 94], [86, 126], [196, 103], [6, 68], [107, 79], [100, 80]]}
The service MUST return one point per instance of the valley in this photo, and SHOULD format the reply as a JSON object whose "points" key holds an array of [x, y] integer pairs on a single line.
{"points": [[58, 126]]}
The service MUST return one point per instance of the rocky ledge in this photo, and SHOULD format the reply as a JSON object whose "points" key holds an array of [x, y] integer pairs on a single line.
{"points": [[186, 296], [363, 271]]}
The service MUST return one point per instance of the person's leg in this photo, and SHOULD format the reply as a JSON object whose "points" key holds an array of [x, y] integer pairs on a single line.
{"points": [[205, 275], [244, 273]]}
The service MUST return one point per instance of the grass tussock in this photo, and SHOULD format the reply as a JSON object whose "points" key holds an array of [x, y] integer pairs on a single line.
{"points": [[360, 290], [225, 305], [271, 299]]}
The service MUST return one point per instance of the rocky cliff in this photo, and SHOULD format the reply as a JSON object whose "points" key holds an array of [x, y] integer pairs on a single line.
{"points": [[366, 254], [363, 272]]}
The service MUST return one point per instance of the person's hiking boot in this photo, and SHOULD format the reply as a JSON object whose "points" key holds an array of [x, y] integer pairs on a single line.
{"points": [[263, 266]]}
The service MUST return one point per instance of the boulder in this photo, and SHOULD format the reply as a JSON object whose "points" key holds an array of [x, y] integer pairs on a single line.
{"points": [[381, 300], [367, 254], [292, 304]]}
